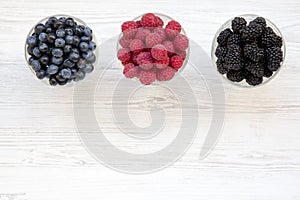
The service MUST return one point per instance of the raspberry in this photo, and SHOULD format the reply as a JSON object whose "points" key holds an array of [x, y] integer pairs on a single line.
{"points": [[129, 29], [182, 54], [130, 71], [136, 46], [161, 64], [149, 20], [170, 47], [176, 62], [159, 22], [161, 32], [124, 55], [165, 74], [173, 28], [147, 77], [142, 33], [124, 42], [139, 23], [145, 60], [159, 52], [153, 39], [181, 42]]}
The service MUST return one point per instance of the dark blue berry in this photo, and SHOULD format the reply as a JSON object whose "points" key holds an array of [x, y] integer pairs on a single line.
{"points": [[69, 39], [79, 76], [85, 39], [83, 46], [66, 73], [73, 75], [69, 31], [57, 52], [74, 57], [44, 60], [57, 61], [60, 78], [58, 24], [59, 42], [40, 74], [43, 37], [60, 33], [43, 47], [36, 65], [75, 50], [87, 31], [67, 48], [91, 59], [62, 19], [53, 81], [39, 28], [81, 63], [76, 40], [69, 22], [69, 63], [31, 41], [30, 50], [52, 20], [48, 30], [88, 68], [52, 69], [87, 54], [92, 46], [36, 52], [51, 38], [78, 30]]}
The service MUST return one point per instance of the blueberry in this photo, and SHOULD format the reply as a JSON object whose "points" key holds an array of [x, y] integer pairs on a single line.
{"points": [[62, 19], [36, 65], [65, 73], [86, 55], [87, 31], [79, 76], [73, 71], [36, 52], [43, 47], [81, 63], [60, 78], [51, 38], [60, 33], [52, 20], [57, 61], [69, 63], [61, 83], [78, 30], [85, 39], [43, 37], [76, 40], [39, 28], [69, 39], [53, 81], [69, 31], [49, 30], [30, 50], [69, 22], [59, 42], [92, 46], [44, 60], [52, 69], [88, 68], [83, 46], [74, 57], [75, 50], [67, 48], [57, 52], [40, 74], [31, 41], [91, 59], [58, 24]]}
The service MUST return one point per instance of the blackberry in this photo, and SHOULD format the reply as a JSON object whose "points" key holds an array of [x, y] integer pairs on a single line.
{"points": [[223, 37], [274, 58], [270, 39], [254, 53], [267, 73], [261, 21], [233, 58], [255, 68], [221, 52], [253, 80], [236, 75], [221, 66], [234, 39], [252, 32], [238, 24]]}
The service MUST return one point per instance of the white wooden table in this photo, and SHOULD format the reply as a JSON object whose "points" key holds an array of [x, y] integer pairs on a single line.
{"points": [[42, 158]]}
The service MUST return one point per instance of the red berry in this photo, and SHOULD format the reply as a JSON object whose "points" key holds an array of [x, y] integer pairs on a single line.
{"points": [[124, 42], [130, 70], [181, 42], [170, 47], [124, 55], [161, 64], [139, 23], [129, 29], [182, 54], [147, 77], [145, 60], [165, 74], [176, 62], [153, 39], [159, 22], [149, 20], [136, 46], [173, 28], [161, 32], [142, 33], [159, 52]]}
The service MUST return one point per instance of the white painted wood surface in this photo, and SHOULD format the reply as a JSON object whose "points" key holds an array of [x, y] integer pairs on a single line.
{"points": [[41, 157]]}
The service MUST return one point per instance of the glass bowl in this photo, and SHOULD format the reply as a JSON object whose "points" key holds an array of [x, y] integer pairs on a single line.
{"points": [[166, 19], [27, 55], [248, 18]]}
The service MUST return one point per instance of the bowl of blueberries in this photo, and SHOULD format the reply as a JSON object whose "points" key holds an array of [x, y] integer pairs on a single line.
{"points": [[61, 50]]}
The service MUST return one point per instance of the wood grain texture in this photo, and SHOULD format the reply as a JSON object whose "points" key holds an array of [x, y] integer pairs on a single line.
{"points": [[41, 157]]}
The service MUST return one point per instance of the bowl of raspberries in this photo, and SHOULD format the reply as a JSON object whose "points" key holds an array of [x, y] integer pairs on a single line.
{"points": [[61, 50], [152, 47], [248, 51]]}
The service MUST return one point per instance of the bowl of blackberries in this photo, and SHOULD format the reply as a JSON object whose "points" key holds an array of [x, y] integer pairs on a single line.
{"points": [[248, 51], [152, 48], [60, 50]]}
